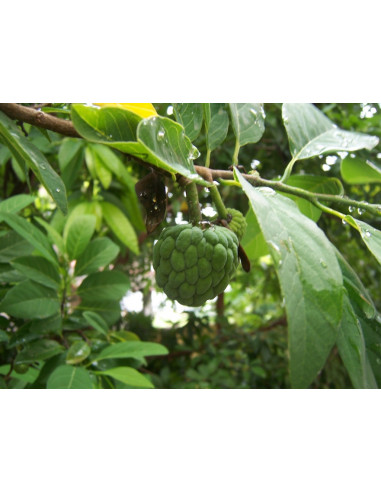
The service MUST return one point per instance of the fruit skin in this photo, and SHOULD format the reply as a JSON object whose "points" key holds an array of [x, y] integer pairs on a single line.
{"points": [[237, 223], [193, 265]]}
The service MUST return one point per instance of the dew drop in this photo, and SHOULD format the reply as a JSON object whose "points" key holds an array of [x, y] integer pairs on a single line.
{"points": [[351, 209], [58, 190], [344, 222], [42, 167], [253, 111], [360, 211], [160, 135], [267, 191], [323, 263], [367, 233]]}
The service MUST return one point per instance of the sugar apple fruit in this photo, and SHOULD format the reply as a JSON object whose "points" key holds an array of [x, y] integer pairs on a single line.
{"points": [[237, 223], [193, 265]]}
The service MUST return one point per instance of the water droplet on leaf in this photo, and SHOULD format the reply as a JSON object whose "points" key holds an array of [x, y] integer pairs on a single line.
{"points": [[344, 222], [368, 233], [160, 135], [351, 209]]}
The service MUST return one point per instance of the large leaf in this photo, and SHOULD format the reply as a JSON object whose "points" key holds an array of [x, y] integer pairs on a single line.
{"points": [[156, 140], [216, 124], [168, 147], [129, 376], [311, 133], [310, 279], [39, 350], [120, 226], [103, 286], [357, 171], [68, 377], [30, 300], [16, 203], [105, 125], [31, 234], [77, 234], [248, 121], [99, 253], [133, 350], [190, 116], [38, 269], [315, 184], [25, 151]]}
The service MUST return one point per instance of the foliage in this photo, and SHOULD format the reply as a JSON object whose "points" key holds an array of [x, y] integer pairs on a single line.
{"points": [[76, 243]]}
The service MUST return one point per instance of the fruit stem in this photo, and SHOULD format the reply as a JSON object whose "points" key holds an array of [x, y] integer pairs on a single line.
{"points": [[217, 200], [193, 203]]}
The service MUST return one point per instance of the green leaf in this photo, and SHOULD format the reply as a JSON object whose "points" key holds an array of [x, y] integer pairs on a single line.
{"points": [[68, 377], [310, 280], [311, 133], [39, 350], [3, 336], [120, 226], [108, 310], [253, 241], [12, 245], [54, 237], [133, 350], [38, 269], [128, 375], [315, 184], [9, 275], [357, 171], [99, 253], [77, 234], [248, 121], [96, 321], [78, 352], [70, 159], [16, 203], [30, 300], [168, 147], [29, 232], [370, 236], [190, 116], [25, 151], [28, 377], [216, 124], [107, 285], [352, 348], [106, 124]]}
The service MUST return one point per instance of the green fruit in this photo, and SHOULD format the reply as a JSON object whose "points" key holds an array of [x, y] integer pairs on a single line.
{"points": [[193, 265], [21, 368], [237, 222]]}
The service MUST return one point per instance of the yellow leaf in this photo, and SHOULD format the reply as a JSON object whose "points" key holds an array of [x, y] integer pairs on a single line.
{"points": [[142, 109]]}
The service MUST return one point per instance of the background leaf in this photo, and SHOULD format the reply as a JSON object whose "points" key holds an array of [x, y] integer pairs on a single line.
{"points": [[315, 184], [103, 286], [311, 133], [358, 171], [96, 321], [39, 350], [68, 377], [25, 151], [120, 226], [248, 122], [30, 300], [99, 253], [190, 116], [38, 269], [31, 234], [310, 280], [128, 375], [16, 203], [133, 350], [216, 124], [77, 234]]}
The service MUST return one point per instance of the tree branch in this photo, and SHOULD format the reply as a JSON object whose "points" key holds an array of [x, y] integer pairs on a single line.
{"points": [[65, 127], [40, 119]]}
